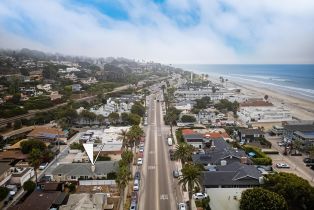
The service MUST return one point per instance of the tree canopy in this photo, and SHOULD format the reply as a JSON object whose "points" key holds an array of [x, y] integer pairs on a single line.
{"points": [[262, 199], [138, 109], [28, 145], [297, 191], [188, 118]]}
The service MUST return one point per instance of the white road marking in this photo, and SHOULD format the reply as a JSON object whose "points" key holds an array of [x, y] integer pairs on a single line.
{"points": [[151, 167], [164, 197]]}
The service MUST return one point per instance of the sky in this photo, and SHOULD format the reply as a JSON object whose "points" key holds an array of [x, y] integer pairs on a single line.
{"points": [[167, 31]]}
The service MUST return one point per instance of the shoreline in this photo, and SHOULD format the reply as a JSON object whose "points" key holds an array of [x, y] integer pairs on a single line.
{"points": [[300, 107]]}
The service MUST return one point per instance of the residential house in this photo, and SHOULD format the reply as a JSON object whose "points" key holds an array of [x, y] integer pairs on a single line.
{"points": [[20, 175], [76, 171], [46, 87], [12, 155], [5, 172], [36, 75], [42, 200], [206, 117], [71, 77], [196, 140], [46, 133], [76, 87], [250, 134], [87, 201], [89, 81], [302, 131], [184, 106], [220, 153], [234, 175], [54, 95]]}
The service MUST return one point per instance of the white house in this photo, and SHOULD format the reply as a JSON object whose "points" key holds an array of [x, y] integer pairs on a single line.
{"points": [[264, 114], [200, 93], [21, 175]]}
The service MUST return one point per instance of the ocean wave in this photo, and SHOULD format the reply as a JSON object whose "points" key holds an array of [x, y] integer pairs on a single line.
{"points": [[278, 79], [302, 91]]}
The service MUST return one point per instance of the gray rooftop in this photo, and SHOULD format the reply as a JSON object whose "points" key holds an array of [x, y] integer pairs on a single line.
{"points": [[302, 128], [251, 131], [232, 174], [85, 169], [220, 150]]}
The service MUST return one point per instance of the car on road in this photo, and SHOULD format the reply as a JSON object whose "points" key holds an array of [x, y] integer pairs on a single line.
{"points": [[137, 175], [182, 206], [43, 166], [140, 161], [282, 165], [199, 196]]}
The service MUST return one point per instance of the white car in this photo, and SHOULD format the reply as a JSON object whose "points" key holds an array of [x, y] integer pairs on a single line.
{"points": [[43, 166], [140, 161], [199, 196], [282, 165], [181, 206], [141, 149]]}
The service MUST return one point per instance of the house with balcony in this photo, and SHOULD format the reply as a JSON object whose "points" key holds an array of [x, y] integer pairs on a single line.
{"points": [[250, 134], [21, 174]]}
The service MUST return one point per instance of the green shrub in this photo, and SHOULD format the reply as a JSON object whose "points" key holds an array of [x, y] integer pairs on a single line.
{"points": [[260, 158], [3, 193]]}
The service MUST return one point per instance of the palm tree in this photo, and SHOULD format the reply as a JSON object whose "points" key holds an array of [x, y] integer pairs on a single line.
{"points": [[123, 178], [184, 152], [134, 135], [35, 158], [123, 136], [190, 178]]}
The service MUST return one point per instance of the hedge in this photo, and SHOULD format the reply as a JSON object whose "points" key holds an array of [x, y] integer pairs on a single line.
{"points": [[261, 158]]}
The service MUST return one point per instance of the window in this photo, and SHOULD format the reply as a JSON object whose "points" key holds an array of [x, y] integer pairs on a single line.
{"points": [[73, 177], [59, 174]]}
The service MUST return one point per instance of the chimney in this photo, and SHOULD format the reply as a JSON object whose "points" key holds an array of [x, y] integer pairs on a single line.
{"points": [[93, 168]]}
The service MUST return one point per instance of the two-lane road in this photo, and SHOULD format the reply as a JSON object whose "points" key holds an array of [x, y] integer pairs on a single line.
{"points": [[157, 188]]}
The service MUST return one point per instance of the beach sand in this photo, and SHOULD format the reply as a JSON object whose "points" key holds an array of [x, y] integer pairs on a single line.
{"points": [[300, 108]]}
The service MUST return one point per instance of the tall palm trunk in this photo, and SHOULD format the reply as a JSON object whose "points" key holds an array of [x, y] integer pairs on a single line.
{"points": [[36, 178], [190, 195]]}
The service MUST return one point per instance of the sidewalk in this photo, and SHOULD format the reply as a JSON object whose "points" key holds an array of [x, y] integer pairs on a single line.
{"points": [[178, 165]]}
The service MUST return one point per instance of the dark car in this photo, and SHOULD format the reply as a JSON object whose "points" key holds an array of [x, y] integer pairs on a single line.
{"points": [[134, 197], [137, 175]]}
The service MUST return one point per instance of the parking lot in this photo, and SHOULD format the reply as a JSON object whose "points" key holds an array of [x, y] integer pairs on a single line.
{"points": [[296, 163]]}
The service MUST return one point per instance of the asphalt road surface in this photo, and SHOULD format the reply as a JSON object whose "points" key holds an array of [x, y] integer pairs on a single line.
{"points": [[157, 187]]}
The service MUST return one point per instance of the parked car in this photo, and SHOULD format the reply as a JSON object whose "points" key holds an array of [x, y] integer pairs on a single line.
{"points": [[281, 144], [140, 161], [136, 185], [282, 165], [133, 206], [199, 196], [141, 149], [175, 173], [134, 197], [137, 175], [43, 166], [182, 206]]}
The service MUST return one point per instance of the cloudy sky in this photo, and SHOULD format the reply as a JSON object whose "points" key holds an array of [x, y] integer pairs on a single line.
{"points": [[168, 31]]}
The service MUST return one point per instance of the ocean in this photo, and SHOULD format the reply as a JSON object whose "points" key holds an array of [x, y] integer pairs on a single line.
{"points": [[296, 80]]}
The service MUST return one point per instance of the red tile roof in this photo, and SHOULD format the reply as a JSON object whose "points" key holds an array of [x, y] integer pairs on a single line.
{"points": [[187, 131], [216, 135]]}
